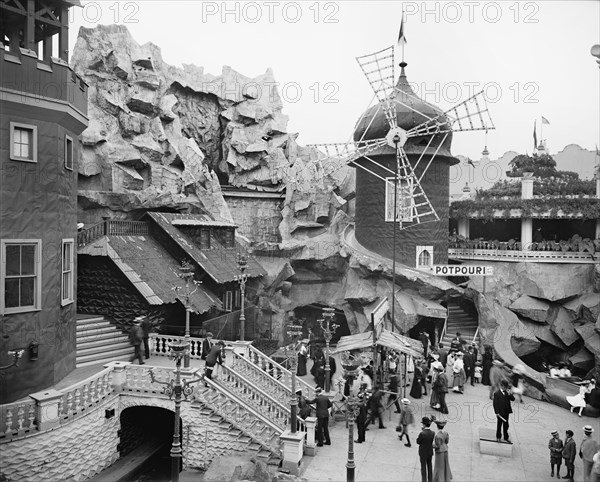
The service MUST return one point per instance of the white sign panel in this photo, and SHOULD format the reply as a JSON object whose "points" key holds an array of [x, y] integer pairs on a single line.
{"points": [[462, 270]]}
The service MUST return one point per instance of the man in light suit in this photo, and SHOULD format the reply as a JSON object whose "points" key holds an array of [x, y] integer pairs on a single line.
{"points": [[425, 441]]}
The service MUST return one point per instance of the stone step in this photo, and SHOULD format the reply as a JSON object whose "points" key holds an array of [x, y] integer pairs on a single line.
{"points": [[108, 336], [104, 356], [86, 346], [95, 327]]}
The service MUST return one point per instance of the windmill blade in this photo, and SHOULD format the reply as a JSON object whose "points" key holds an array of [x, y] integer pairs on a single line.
{"points": [[343, 154], [379, 70], [414, 205], [470, 115]]}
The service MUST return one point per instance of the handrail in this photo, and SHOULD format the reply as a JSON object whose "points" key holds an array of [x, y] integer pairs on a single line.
{"points": [[521, 256], [89, 235], [227, 375], [80, 397], [263, 362], [114, 227], [443, 334], [475, 335]]}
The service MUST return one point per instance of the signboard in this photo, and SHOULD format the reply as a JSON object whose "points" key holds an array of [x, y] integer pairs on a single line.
{"points": [[461, 270], [379, 312]]}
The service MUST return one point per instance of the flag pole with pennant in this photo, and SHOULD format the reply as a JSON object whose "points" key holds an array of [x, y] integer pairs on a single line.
{"points": [[544, 121], [534, 137], [401, 36]]}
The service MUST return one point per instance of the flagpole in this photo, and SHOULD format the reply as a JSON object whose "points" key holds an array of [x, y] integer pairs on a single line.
{"points": [[541, 131]]}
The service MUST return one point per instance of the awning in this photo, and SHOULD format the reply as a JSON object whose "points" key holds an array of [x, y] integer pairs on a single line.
{"points": [[386, 338]]}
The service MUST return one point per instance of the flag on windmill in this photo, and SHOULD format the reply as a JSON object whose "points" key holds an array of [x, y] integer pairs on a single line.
{"points": [[534, 136], [401, 36]]}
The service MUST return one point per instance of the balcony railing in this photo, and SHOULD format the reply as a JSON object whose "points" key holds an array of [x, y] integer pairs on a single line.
{"points": [[113, 228], [522, 256]]}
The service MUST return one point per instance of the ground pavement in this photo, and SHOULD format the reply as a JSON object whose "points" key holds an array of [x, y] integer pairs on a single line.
{"points": [[384, 458]]}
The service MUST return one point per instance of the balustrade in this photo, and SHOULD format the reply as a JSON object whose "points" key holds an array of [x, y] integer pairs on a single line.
{"points": [[18, 419], [159, 345], [84, 395], [277, 371], [520, 256]]}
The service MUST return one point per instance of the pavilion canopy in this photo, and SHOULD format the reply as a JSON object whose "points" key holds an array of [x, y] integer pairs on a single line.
{"points": [[386, 338]]}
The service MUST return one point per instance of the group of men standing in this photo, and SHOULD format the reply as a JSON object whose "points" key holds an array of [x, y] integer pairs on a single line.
{"points": [[589, 452]]}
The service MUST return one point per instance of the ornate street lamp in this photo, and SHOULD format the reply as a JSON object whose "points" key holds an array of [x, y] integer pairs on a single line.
{"points": [[328, 331], [294, 332], [186, 273], [176, 387], [241, 278], [353, 405]]}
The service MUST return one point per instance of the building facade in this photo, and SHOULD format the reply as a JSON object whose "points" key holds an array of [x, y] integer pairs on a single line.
{"points": [[44, 109]]}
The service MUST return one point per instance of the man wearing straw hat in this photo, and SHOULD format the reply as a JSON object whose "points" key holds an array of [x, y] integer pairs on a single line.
{"points": [[587, 450], [556, 452], [425, 442]]}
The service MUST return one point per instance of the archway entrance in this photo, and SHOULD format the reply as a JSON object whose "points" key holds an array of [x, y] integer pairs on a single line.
{"points": [[146, 436], [309, 314]]}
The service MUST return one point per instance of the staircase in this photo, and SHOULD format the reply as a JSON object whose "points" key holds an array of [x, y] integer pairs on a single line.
{"points": [[99, 342], [459, 320]]}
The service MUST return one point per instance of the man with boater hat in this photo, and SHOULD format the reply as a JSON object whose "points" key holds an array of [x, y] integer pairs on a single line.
{"points": [[323, 404], [556, 452], [587, 450], [425, 442]]}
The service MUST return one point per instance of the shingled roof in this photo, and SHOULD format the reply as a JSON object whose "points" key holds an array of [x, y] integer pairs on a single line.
{"points": [[218, 262], [151, 270]]}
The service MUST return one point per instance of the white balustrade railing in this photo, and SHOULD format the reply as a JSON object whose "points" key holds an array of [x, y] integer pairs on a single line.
{"points": [[17, 419], [159, 345], [277, 371], [521, 256], [82, 396], [137, 379]]}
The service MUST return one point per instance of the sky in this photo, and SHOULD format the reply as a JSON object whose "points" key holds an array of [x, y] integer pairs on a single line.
{"points": [[532, 59]]}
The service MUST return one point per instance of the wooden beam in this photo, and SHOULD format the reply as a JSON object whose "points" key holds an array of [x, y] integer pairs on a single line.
{"points": [[63, 36], [47, 49], [30, 26]]}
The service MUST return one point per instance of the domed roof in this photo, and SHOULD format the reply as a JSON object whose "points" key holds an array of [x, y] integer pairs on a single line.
{"points": [[411, 111]]}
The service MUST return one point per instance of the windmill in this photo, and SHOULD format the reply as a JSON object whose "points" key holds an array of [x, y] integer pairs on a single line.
{"points": [[414, 206]]}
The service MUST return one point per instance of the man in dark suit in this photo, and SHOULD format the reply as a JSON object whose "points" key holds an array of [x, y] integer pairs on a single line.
{"points": [[213, 357], [443, 353], [361, 418], [469, 361], [425, 342], [322, 404], [207, 344], [593, 398], [425, 441], [503, 409]]}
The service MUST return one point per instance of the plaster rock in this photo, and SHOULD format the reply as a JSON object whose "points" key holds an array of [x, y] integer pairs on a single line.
{"points": [[590, 337], [532, 308], [591, 302], [561, 323]]}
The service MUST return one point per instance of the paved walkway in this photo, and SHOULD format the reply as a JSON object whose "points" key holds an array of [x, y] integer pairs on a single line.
{"points": [[384, 458]]}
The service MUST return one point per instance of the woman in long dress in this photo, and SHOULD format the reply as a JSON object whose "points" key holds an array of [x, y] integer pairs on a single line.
{"points": [[578, 401], [302, 360], [459, 373], [416, 391], [441, 471], [487, 358], [434, 400]]}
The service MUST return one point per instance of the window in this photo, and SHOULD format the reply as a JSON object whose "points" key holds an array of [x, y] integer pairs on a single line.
{"points": [[237, 299], [23, 142], [67, 272], [424, 256], [405, 203], [20, 275], [68, 153], [205, 238], [227, 300]]}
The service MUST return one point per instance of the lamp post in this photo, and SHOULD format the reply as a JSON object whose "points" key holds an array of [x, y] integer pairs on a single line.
{"points": [[352, 407], [241, 278], [186, 273], [294, 332], [177, 388], [328, 331]]}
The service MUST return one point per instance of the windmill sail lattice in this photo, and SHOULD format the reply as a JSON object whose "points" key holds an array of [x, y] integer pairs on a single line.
{"points": [[414, 204]]}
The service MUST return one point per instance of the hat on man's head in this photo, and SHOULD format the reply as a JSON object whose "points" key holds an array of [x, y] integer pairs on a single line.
{"points": [[137, 319], [459, 353], [298, 392], [554, 432], [440, 423], [405, 401], [426, 421], [209, 334], [588, 429], [318, 390]]}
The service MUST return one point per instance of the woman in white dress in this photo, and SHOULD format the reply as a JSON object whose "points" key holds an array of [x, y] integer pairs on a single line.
{"points": [[578, 401]]}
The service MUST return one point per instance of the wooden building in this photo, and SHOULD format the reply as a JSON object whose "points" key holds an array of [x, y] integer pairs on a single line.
{"points": [[44, 109]]}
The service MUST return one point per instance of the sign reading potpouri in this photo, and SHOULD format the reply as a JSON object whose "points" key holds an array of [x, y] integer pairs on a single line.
{"points": [[461, 270]]}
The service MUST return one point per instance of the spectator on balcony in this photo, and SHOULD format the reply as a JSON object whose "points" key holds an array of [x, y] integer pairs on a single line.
{"points": [[213, 357], [538, 237], [136, 336], [146, 329], [207, 344]]}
